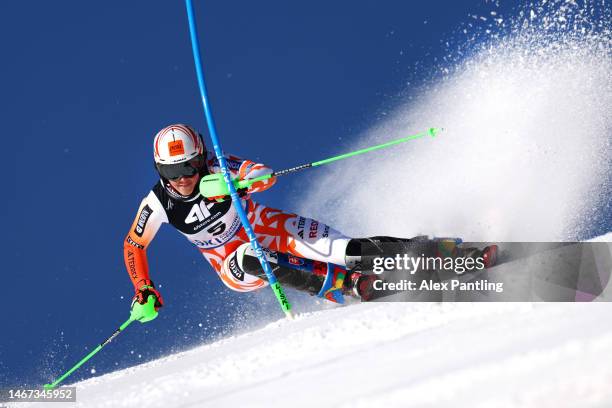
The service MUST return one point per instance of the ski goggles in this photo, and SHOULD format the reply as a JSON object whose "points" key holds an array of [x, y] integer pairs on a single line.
{"points": [[185, 169]]}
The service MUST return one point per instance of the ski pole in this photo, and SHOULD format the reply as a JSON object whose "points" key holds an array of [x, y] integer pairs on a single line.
{"points": [[142, 313], [213, 185], [225, 173]]}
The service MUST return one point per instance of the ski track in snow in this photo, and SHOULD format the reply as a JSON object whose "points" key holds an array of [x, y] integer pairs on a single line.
{"points": [[386, 354]]}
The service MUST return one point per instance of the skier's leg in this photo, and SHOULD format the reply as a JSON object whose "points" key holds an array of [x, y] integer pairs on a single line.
{"points": [[288, 234], [313, 240], [305, 238], [326, 280], [297, 235], [313, 277]]}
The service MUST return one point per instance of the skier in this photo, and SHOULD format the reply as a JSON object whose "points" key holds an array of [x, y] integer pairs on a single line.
{"points": [[306, 254]]}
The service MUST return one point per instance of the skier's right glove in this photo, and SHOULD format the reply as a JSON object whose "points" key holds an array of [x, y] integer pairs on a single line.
{"points": [[145, 289], [242, 193]]}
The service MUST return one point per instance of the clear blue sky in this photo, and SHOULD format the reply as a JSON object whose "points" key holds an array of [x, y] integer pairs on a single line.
{"points": [[85, 86]]}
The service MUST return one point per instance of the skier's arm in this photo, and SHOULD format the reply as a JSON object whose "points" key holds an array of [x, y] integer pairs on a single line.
{"points": [[245, 169], [149, 218]]}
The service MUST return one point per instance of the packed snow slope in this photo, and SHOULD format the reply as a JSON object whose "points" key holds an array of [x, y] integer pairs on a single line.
{"points": [[386, 354]]}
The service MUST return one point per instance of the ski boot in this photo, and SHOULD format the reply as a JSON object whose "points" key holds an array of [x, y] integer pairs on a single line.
{"points": [[489, 254], [361, 286], [361, 252], [448, 248]]}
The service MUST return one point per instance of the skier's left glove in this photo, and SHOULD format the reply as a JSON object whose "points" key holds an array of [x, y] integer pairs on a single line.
{"points": [[145, 289]]}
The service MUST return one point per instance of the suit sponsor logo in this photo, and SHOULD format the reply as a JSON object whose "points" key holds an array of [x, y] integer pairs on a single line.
{"points": [[134, 243], [234, 269], [314, 226], [199, 212], [131, 262], [142, 220], [300, 226]]}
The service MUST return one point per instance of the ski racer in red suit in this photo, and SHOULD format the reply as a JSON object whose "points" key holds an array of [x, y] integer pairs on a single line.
{"points": [[306, 254]]}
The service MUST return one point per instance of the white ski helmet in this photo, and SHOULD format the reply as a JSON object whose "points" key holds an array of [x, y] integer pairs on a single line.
{"points": [[178, 151]]}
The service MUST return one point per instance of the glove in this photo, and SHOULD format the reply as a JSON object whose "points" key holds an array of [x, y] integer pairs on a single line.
{"points": [[145, 289], [242, 193]]}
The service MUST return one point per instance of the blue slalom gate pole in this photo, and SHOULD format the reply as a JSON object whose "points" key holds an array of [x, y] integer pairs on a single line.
{"points": [[195, 45]]}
